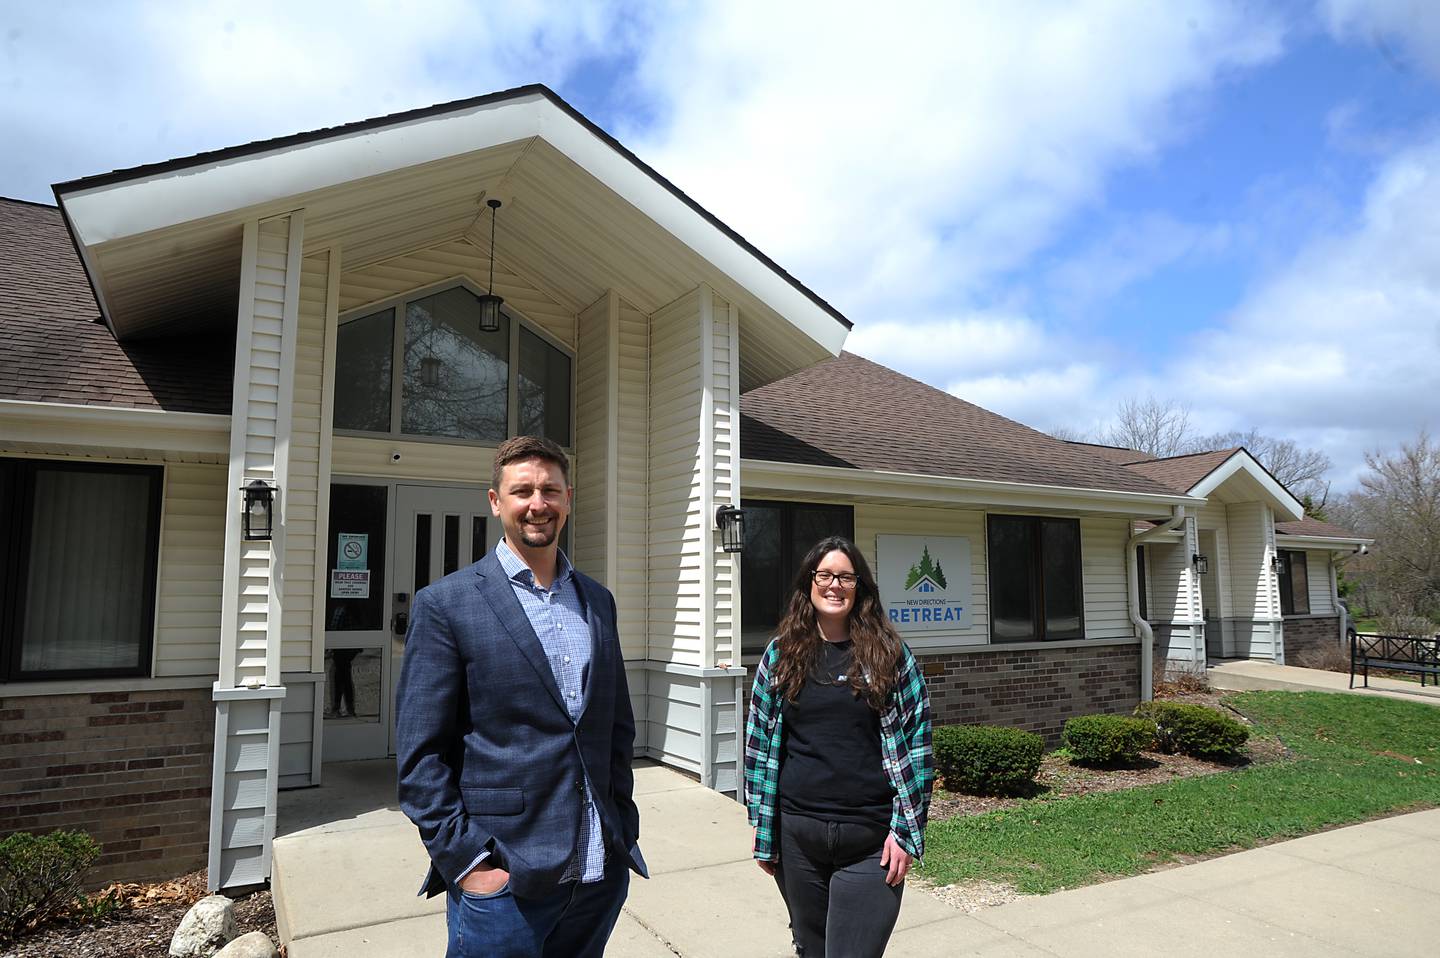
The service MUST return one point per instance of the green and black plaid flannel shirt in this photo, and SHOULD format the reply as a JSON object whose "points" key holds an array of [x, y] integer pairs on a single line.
{"points": [[904, 740]]}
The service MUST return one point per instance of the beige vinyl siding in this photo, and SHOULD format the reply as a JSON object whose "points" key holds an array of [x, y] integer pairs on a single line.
{"points": [[1102, 558], [192, 561], [302, 494], [675, 485], [1317, 567], [262, 416], [1251, 582], [725, 465], [360, 456], [1213, 518], [381, 281], [631, 580], [872, 520], [594, 379], [1169, 582]]}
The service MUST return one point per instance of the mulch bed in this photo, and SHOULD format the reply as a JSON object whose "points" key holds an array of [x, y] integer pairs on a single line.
{"points": [[144, 925], [1060, 778]]}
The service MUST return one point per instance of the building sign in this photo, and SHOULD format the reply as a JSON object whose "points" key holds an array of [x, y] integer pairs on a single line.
{"points": [[924, 582]]}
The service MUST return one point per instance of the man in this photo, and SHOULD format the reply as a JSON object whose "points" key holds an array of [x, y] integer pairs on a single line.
{"points": [[515, 734]]}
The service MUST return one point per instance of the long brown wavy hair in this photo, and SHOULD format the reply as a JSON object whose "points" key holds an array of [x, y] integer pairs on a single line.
{"points": [[874, 643]]}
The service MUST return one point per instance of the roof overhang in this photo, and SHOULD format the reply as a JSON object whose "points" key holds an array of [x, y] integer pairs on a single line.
{"points": [[113, 431], [761, 476], [1243, 478], [169, 233], [1322, 543]]}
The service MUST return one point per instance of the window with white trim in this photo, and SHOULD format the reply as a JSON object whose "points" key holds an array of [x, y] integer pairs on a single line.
{"points": [[79, 554], [421, 367]]}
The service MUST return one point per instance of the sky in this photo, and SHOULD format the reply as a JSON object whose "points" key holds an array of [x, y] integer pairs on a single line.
{"points": [[1043, 208]]}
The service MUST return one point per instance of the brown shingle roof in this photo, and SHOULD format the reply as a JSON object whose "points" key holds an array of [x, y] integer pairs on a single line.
{"points": [[851, 412], [56, 349], [1314, 527], [1180, 473], [1116, 454]]}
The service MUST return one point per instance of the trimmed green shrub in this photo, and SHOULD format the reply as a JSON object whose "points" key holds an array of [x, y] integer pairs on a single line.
{"points": [[1194, 730], [40, 877], [987, 759], [1108, 739]]}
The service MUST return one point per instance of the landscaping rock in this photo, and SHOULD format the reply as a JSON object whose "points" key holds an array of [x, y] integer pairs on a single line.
{"points": [[257, 944], [206, 928]]}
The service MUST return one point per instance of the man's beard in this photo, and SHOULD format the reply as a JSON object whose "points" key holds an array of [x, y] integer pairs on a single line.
{"points": [[539, 539]]}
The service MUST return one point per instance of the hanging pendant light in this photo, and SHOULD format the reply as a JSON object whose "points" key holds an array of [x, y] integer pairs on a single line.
{"points": [[490, 303]]}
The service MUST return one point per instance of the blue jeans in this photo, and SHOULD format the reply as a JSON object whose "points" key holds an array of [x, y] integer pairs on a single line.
{"points": [[573, 921]]}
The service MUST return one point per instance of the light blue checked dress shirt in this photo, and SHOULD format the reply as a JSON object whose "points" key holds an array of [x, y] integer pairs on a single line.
{"points": [[557, 615]]}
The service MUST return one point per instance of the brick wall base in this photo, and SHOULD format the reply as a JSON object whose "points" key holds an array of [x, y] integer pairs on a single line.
{"points": [[130, 768], [1035, 689], [1307, 639]]}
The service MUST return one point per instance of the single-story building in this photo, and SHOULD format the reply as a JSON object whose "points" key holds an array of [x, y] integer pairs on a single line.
{"points": [[1247, 575], [248, 405]]}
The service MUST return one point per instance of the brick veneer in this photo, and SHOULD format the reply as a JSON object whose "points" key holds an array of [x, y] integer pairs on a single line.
{"points": [[1035, 689], [1307, 636], [130, 768]]}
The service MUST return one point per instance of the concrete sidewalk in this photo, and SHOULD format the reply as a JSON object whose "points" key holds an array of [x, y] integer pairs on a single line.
{"points": [[1243, 675], [347, 867]]}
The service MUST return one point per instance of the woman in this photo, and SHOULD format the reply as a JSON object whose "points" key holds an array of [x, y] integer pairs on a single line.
{"points": [[837, 758]]}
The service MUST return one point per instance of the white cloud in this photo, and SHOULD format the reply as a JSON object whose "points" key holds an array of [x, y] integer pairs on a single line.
{"points": [[93, 87], [1405, 32], [943, 348]]}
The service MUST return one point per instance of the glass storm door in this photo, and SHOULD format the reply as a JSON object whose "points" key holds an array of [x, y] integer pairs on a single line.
{"points": [[357, 622], [438, 530]]}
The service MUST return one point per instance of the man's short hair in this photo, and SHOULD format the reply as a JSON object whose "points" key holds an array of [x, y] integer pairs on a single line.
{"points": [[519, 448]]}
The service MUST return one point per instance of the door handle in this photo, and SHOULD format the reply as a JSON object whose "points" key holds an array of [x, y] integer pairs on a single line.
{"points": [[399, 622]]}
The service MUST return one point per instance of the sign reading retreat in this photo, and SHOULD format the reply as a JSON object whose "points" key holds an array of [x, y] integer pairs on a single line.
{"points": [[925, 582]]}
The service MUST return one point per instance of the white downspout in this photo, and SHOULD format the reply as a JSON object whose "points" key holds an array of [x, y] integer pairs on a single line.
{"points": [[1132, 575], [1337, 559]]}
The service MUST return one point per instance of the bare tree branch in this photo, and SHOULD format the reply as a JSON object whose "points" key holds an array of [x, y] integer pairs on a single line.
{"points": [[1158, 427]]}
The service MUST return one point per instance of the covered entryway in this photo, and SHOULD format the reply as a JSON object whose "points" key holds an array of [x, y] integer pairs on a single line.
{"points": [[388, 541]]}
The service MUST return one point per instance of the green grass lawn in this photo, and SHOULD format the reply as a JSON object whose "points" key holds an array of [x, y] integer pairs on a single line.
{"points": [[1355, 759]]}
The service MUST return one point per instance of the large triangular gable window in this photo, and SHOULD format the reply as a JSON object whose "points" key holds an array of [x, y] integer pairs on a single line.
{"points": [[420, 366]]}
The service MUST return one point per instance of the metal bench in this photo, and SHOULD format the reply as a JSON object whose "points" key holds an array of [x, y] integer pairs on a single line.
{"points": [[1400, 653]]}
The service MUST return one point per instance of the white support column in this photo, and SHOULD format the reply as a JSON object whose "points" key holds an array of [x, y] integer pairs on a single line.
{"points": [[249, 691]]}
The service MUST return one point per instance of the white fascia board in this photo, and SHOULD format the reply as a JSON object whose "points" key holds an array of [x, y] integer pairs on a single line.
{"points": [[1289, 508], [114, 211], [116, 426], [917, 489], [1322, 544]]}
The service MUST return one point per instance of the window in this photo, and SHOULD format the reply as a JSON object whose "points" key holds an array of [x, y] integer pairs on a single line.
{"points": [[777, 536], [1035, 587], [439, 376], [1140, 582], [1294, 583], [79, 544]]}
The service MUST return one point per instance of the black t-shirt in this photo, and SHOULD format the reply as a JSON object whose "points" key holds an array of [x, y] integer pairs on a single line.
{"points": [[831, 767]]}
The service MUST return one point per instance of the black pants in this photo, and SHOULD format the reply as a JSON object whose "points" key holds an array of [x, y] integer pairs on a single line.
{"points": [[830, 876]]}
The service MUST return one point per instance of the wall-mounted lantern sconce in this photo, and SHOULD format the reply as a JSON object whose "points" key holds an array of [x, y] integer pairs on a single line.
{"points": [[490, 303], [259, 509], [430, 371], [1202, 564], [1277, 563], [731, 523]]}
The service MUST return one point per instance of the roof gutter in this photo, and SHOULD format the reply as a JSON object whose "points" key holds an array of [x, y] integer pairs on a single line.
{"points": [[1142, 628]]}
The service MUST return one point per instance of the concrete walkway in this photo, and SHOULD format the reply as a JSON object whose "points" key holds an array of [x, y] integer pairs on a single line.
{"points": [[1243, 675], [347, 866]]}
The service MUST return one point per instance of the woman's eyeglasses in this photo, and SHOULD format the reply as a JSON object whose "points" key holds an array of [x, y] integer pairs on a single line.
{"points": [[846, 580]]}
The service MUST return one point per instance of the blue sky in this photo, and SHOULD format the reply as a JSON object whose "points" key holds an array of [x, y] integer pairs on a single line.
{"points": [[1045, 208]]}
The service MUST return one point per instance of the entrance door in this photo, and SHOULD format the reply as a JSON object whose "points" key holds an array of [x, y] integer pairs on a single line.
{"points": [[1210, 597], [357, 622], [438, 529]]}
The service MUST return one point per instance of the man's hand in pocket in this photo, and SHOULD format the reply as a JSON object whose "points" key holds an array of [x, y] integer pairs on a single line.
{"points": [[484, 879]]}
